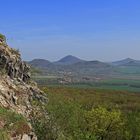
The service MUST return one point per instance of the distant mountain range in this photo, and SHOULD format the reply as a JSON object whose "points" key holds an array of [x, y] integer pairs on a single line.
{"points": [[39, 63], [70, 60], [77, 67], [127, 62]]}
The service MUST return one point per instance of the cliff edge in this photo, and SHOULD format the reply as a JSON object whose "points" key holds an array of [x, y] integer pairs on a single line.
{"points": [[17, 92]]}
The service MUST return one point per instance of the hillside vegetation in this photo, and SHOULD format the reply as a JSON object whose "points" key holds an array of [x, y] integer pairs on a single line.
{"points": [[89, 114]]}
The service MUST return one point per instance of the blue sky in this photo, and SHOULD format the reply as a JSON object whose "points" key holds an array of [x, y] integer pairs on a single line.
{"points": [[106, 30]]}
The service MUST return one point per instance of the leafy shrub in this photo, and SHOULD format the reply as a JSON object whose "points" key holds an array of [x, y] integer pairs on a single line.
{"points": [[12, 122], [133, 126], [4, 135], [43, 126], [2, 37], [104, 124], [88, 114], [76, 123]]}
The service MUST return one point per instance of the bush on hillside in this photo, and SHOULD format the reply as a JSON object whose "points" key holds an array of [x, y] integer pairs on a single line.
{"points": [[2, 37]]}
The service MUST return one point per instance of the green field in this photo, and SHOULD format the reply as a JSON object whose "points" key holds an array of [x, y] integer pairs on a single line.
{"points": [[126, 78], [114, 84]]}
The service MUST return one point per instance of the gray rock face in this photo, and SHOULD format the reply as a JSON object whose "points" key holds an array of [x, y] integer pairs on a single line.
{"points": [[11, 63], [16, 91]]}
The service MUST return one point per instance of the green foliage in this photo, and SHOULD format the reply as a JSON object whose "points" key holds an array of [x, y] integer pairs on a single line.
{"points": [[44, 127], [133, 126], [104, 124], [9, 116], [131, 85], [89, 114], [4, 135], [12, 122], [2, 37], [39, 125], [68, 116]]}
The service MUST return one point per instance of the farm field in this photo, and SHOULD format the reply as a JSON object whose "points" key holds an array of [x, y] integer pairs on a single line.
{"points": [[114, 84]]}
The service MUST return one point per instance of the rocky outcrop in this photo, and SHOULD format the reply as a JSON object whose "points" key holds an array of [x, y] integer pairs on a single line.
{"points": [[17, 91], [12, 65]]}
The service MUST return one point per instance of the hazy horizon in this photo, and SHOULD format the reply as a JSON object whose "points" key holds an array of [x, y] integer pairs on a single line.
{"points": [[81, 59], [92, 30]]}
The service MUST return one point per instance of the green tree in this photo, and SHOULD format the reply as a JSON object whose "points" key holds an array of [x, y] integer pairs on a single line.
{"points": [[104, 124]]}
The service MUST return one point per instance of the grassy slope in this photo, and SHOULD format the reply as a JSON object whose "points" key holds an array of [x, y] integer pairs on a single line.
{"points": [[11, 123]]}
